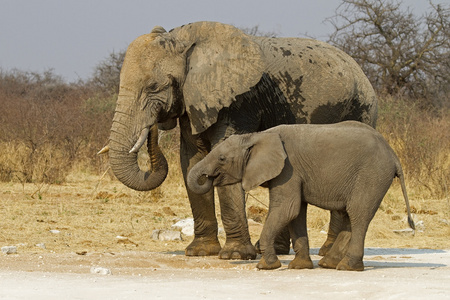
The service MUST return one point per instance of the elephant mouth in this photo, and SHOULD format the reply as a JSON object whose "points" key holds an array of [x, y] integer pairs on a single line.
{"points": [[222, 179], [141, 140]]}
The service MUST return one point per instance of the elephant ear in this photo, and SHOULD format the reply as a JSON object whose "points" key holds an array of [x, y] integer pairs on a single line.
{"points": [[266, 159], [222, 63]]}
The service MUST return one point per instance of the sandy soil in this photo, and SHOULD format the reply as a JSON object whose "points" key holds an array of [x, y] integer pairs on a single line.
{"points": [[390, 274], [89, 215]]}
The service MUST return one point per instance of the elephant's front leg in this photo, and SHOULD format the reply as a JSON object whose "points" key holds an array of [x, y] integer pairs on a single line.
{"points": [[299, 236], [203, 209], [232, 206]]}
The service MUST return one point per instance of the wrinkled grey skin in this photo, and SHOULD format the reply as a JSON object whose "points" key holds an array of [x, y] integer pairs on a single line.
{"points": [[345, 167], [217, 81]]}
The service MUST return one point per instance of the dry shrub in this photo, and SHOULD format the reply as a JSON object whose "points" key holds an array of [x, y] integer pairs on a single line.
{"points": [[46, 164], [421, 139], [48, 125]]}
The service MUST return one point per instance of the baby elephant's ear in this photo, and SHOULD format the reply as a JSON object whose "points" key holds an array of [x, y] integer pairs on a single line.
{"points": [[266, 159]]}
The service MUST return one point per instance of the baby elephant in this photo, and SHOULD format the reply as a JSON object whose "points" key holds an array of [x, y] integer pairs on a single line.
{"points": [[345, 167]]}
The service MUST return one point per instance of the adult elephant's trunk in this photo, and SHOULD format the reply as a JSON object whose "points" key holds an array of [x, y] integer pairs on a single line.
{"points": [[124, 162], [198, 181]]}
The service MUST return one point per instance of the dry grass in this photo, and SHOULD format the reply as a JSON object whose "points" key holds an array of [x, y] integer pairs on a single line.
{"points": [[91, 209], [90, 212]]}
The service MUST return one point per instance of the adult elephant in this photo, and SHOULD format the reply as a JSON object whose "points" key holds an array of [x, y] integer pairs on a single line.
{"points": [[218, 81]]}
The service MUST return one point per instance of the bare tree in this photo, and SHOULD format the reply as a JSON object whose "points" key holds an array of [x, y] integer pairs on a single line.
{"points": [[256, 32], [399, 51], [107, 72]]}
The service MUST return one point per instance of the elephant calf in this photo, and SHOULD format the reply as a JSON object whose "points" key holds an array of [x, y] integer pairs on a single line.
{"points": [[345, 167]]}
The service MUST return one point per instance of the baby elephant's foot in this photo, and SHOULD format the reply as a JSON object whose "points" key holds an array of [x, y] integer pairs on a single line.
{"points": [[272, 262], [351, 264], [329, 262], [325, 248], [301, 263]]}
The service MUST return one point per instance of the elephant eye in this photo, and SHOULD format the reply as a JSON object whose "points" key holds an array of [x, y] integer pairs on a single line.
{"points": [[152, 88], [222, 158]]}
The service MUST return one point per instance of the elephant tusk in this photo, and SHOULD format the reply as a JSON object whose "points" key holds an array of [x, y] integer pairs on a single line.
{"points": [[141, 140], [104, 150]]}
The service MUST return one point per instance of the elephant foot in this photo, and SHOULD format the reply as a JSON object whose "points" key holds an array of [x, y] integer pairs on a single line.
{"points": [[301, 263], [350, 264], [329, 262], [280, 249], [337, 251], [271, 263], [325, 247], [237, 250], [202, 246]]}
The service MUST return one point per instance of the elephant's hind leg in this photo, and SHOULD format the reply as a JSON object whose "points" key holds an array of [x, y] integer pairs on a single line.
{"points": [[339, 246], [361, 209], [336, 226], [337, 251]]}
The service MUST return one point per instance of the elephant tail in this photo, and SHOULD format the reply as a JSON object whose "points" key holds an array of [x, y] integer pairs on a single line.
{"points": [[399, 174]]}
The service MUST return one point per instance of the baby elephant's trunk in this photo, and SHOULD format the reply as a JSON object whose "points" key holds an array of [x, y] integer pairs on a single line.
{"points": [[198, 181]]}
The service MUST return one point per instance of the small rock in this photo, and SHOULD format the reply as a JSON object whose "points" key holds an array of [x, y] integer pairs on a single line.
{"points": [[166, 235], [420, 226], [9, 249], [444, 221], [405, 232], [54, 231], [100, 270], [155, 234], [124, 240], [41, 245], [221, 232], [168, 211], [186, 226]]}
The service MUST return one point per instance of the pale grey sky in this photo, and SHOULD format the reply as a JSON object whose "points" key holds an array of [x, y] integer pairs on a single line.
{"points": [[72, 36]]}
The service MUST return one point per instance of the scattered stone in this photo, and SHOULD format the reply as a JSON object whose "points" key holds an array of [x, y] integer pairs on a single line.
{"points": [[420, 226], [252, 222], [9, 249], [41, 245], [168, 211], [221, 232], [101, 271], [54, 231], [444, 221], [324, 229], [405, 232], [155, 234], [125, 240], [186, 226], [166, 235], [81, 252]]}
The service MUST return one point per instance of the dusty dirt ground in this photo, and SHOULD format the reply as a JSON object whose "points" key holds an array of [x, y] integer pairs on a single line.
{"points": [[390, 274], [89, 213]]}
